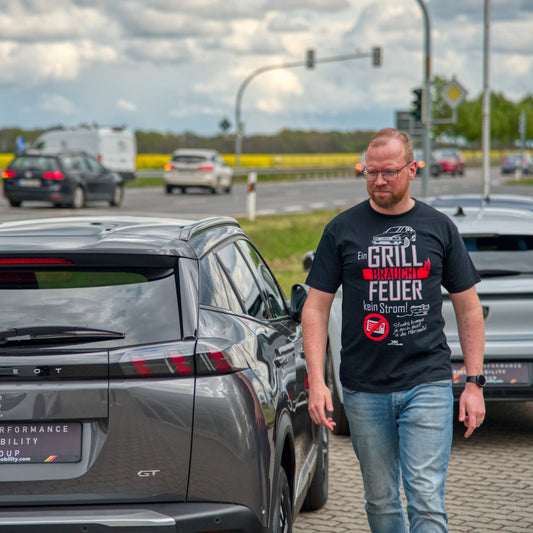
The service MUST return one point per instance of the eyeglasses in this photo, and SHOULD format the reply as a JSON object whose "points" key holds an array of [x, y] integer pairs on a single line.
{"points": [[387, 175]]}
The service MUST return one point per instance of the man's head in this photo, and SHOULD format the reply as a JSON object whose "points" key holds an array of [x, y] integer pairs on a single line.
{"points": [[390, 167]]}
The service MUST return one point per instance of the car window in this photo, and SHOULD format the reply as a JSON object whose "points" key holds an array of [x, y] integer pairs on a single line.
{"points": [[243, 281], [142, 303], [189, 159], [214, 285], [268, 284], [75, 162], [93, 164], [31, 162]]}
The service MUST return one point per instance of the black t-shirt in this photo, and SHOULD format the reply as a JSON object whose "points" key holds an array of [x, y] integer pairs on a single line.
{"points": [[391, 268]]}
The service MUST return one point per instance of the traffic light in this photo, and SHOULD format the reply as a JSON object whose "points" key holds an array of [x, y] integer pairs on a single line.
{"points": [[310, 58], [376, 56], [416, 109]]}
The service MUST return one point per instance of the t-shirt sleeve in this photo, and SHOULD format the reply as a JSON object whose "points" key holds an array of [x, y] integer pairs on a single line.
{"points": [[459, 273], [326, 270]]}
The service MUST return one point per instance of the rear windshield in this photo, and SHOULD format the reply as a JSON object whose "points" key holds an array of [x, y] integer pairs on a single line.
{"points": [[142, 304], [498, 243], [189, 159], [41, 162]]}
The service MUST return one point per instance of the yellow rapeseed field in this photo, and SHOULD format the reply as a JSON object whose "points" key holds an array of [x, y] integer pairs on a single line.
{"points": [[157, 161]]}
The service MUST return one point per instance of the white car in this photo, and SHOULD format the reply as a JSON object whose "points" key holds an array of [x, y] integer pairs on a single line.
{"points": [[500, 243], [197, 168]]}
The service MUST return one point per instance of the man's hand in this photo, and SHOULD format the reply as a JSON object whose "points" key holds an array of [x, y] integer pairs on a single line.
{"points": [[320, 404], [471, 408]]}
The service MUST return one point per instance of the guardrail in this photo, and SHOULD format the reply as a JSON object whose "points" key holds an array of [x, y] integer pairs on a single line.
{"points": [[240, 174]]}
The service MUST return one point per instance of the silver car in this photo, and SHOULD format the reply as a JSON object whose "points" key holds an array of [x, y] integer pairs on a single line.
{"points": [[152, 379], [197, 168], [500, 242]]}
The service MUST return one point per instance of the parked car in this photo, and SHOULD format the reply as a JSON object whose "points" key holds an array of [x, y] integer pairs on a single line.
{"points": [[507, 201], [421, 163], [152, 379], [450, 161], [197, 168], [64, 178], [500, 242], [511, 163]]}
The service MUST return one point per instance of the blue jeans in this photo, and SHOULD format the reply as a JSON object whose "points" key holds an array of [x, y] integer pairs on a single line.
{"points": [[404, 434]]}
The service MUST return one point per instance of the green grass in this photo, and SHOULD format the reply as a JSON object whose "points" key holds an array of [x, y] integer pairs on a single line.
{"points": [[283, 240]]}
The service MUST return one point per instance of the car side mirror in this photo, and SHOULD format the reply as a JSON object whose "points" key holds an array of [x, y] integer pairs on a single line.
{"points": [[298, 296], [308, 260]]}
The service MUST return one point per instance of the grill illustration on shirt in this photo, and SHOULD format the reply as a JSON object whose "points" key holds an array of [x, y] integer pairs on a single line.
{"points": [[395, 275]]}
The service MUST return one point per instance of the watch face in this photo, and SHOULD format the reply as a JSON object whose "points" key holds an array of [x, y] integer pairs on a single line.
{"points": [[481, 380]]}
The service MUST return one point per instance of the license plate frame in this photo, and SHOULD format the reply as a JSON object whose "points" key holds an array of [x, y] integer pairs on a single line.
{"points": [[33, 183], [40, 442], [509, 373]]}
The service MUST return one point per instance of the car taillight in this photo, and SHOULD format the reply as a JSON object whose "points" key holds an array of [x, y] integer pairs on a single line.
{"points": [[207, 168], [169, 360], [169, 166], [99, 158], [53, 175], [421, 164], [9, 173], [179, 360], [219, 357]]}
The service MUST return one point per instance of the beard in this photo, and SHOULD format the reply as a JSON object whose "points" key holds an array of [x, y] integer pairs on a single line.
{"points": [[392, 199]]}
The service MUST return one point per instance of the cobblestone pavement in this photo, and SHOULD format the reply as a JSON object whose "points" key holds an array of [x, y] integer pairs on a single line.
{"points": [[489, 488]]}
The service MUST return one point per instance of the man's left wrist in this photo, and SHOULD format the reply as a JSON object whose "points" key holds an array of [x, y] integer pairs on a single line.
{"points": [[479, 379]]}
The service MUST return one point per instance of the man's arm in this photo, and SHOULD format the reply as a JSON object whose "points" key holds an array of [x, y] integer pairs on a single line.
{"points": [[472, 337], [315, 317]]}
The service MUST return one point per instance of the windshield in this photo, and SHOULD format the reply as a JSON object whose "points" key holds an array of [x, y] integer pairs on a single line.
{"points": [[142, 306]]}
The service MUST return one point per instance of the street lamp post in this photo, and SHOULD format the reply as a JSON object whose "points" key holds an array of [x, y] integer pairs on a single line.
{"points": [[375, 54], [427, 111]]}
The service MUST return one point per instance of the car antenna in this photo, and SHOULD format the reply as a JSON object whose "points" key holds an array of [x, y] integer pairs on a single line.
{"points": [[460, 212]]}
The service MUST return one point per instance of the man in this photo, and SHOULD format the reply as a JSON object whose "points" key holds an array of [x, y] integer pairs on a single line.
{"points": [[391, 254]]}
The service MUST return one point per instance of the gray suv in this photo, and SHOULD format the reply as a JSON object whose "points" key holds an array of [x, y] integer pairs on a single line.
{"points": [[152, 379]]}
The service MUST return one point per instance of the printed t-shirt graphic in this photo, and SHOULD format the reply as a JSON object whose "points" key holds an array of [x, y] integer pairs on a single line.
{"points": [[395, 277]]}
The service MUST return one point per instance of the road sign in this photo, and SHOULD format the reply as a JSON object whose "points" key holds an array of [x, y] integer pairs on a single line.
{"points": [[453, 93]]}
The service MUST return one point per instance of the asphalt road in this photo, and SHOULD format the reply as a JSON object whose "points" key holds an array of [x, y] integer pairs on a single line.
{"points": [[271, 198]]}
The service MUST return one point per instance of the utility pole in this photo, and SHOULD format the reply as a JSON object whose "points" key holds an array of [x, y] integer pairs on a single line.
{"points": [[485, 121], [427, 111]]}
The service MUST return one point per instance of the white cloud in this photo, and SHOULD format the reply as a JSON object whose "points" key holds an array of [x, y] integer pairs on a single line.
{"points": [[186, 59], [57, 103], [126, 105]]}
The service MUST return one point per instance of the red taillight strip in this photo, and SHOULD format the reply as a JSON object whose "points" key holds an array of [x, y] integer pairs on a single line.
{"points": [[53, 175], [8, 173], [34, 261]]}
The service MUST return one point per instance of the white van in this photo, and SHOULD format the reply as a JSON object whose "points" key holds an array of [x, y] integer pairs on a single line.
{"points": [[115, 148]]}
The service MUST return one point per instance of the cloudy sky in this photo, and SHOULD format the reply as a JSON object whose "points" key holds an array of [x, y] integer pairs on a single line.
{"points": [[177, 65]]}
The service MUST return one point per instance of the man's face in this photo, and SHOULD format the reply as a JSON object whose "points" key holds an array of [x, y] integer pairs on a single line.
{"points": [[390, 156]]}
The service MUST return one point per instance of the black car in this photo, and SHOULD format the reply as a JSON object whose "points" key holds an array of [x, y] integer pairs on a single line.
{"points": [[152, 378], [66, 179]]}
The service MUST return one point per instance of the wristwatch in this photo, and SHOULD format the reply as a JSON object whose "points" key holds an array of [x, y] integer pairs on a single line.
{"points": [[480, 380]]}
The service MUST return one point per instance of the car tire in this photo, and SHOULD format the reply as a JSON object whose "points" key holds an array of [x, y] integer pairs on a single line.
{"points": [[78, 198], [118, 196], [15, 203], [168, 189], [282, 517], [317, 494], [341, 422]]}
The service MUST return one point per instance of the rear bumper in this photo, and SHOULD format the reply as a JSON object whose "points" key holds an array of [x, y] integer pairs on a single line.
{"points": [[156, 518]]}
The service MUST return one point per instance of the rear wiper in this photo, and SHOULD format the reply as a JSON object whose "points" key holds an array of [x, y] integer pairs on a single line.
{"points": [[39, 335]]}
